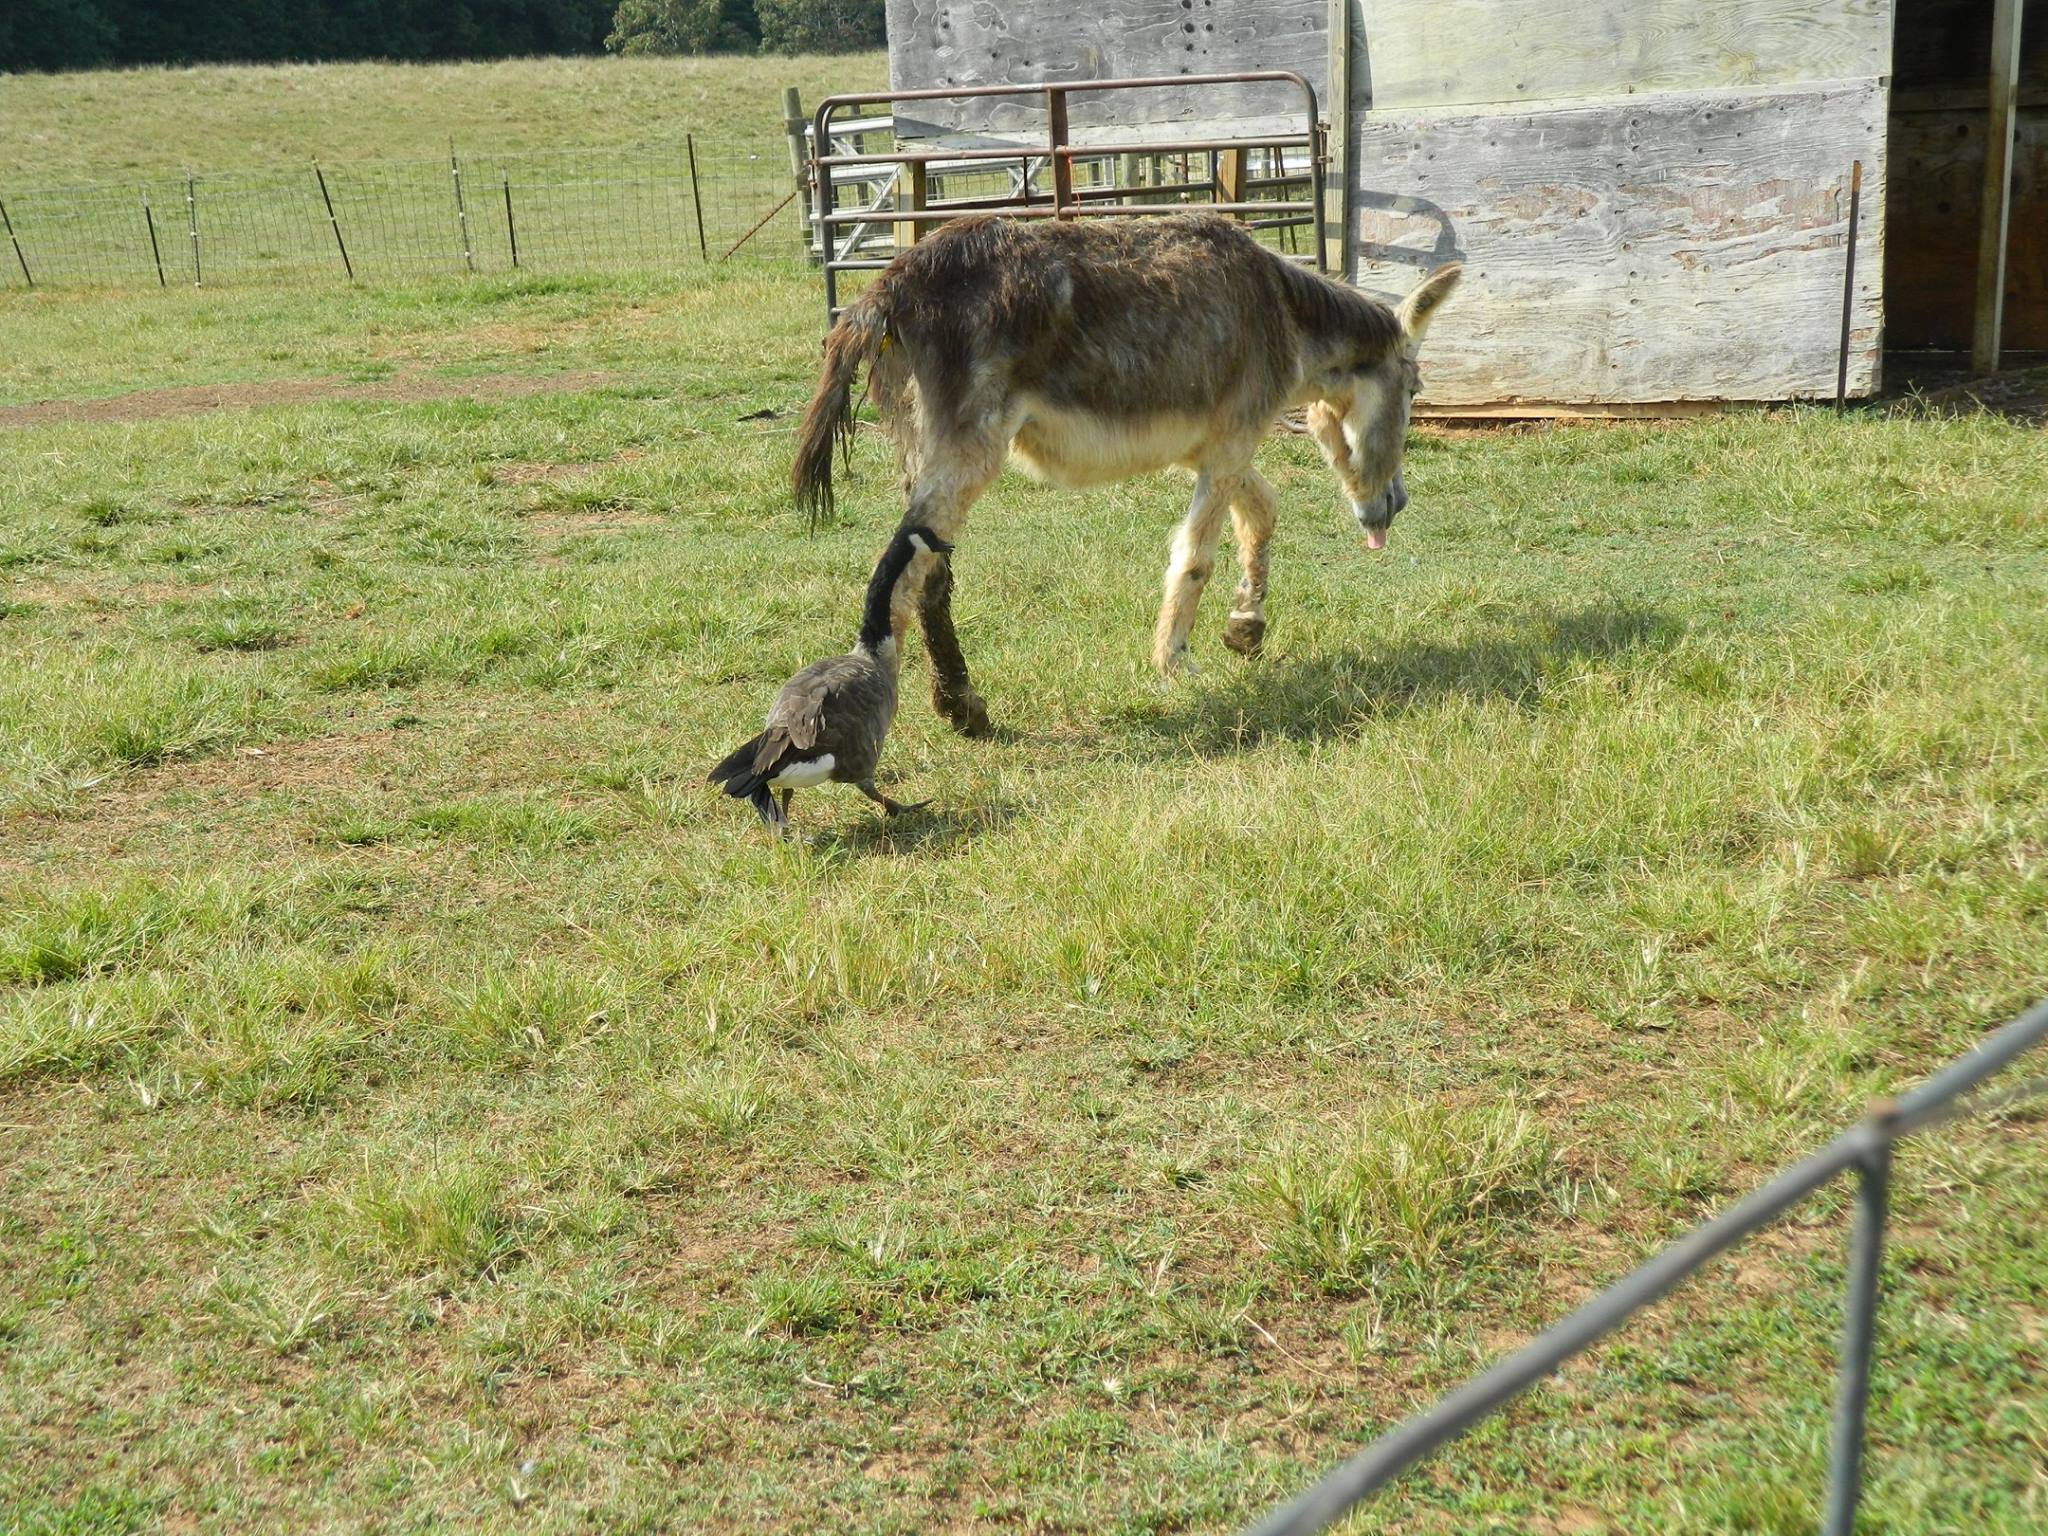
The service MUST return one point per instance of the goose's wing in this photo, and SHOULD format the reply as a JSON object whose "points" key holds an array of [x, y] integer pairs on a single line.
{"points": [[796, 720]]}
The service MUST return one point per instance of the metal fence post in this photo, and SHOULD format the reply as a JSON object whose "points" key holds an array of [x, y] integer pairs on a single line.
{"points": [[192, 226], [1848, 285], [334, 223], [155, 250], [16, 244], [461, 213], [696, 202], [511, 229], [1859, 1326]]}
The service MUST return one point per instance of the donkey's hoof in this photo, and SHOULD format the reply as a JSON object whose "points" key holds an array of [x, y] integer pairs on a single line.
{"points": [[1245, 636], [966, 713]]}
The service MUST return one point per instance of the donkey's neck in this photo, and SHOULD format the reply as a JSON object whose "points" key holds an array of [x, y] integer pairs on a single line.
{"points": [[1338, 325]]}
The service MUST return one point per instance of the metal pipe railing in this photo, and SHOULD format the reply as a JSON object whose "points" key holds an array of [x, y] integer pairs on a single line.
{"points": [[1864, 1147], [1056, 151]]}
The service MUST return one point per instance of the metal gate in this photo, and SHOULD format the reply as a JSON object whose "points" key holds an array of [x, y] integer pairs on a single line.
{"points": [[893, 186]]}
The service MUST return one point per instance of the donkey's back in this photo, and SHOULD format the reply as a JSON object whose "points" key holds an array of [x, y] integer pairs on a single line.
{"points": [[1097, 348]]}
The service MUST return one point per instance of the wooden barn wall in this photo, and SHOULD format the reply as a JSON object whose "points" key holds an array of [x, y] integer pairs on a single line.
{"points": [[1444, 53], [936, 43], [1682, 246], [1936, 176], [1650, 199]]}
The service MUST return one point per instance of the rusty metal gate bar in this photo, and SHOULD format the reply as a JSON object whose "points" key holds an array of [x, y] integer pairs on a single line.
{"points": [[1060, 155], [1864, 1148]]}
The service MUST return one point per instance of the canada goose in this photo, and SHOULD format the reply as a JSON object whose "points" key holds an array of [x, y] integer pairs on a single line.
{"points": [[828, 723]]}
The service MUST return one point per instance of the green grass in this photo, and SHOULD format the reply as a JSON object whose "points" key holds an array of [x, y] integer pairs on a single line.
{"points": [[101, 125], [422, 1101]]}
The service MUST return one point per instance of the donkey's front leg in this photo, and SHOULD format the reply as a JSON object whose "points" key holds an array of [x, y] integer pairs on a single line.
{"points": [[1187, 572], [955, 470], [1252, 510], [953, 696]]}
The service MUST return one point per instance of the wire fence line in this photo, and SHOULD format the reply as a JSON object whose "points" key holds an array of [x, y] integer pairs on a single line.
{"points": [[1865, 1148], [687, 203]]}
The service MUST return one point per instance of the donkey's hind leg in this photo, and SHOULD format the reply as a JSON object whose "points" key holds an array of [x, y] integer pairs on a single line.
{"points": [[1187, 572], [1252, 510]]}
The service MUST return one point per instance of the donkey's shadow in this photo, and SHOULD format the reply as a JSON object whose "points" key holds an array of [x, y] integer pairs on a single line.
{"points": [[936, 829], [1328, 693]]}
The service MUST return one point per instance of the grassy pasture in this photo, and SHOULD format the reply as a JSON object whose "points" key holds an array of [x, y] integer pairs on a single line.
{"points": [[101, 125], [422, 1104]]}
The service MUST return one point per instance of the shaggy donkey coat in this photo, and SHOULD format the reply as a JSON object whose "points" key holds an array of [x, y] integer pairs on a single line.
{"points": [[1092, 350]]}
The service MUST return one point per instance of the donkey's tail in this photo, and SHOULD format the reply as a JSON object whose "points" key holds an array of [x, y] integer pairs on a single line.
{"points": [[856, 340]]}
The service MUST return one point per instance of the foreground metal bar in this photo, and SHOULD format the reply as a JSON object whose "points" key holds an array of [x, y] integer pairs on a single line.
{"points": [[1859, 1332], [1862, 1144]]}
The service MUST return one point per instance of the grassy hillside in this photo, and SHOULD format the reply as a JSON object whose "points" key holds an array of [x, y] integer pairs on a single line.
{"points": [[107, 125], [424, 1104]]}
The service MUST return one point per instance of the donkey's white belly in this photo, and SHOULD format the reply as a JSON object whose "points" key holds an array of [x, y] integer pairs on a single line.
{"points": [[1075, 449]]}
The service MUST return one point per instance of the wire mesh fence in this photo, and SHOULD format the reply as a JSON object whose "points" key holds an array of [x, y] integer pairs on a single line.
{"points": [[568, 210]]}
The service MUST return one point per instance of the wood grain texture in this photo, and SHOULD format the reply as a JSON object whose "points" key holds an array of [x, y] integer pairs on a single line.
{"points": [[1436, 53], [1937, 186], [1671, 247], [935, 43]]}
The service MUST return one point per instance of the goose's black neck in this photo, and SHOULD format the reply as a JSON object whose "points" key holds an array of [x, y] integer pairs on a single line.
{"points": [[875, 626]]}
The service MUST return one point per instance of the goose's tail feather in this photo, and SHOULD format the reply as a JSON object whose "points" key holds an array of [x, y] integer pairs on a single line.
{"points": [[736, 773]]}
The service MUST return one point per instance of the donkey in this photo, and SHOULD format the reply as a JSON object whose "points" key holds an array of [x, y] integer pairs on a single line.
{"points": [[1093, 350]]}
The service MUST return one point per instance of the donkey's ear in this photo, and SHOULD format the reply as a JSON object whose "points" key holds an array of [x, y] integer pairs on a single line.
{"points": [[1425, 298]]}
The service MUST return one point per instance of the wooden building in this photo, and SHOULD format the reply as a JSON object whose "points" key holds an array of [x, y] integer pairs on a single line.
{"points": [[1652, 199]]}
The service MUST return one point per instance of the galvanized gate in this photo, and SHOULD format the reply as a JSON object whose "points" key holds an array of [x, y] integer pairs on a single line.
{"points": [[894, 186]]}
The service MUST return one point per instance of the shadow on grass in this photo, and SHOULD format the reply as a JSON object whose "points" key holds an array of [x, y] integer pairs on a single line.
{"points": [[1325, 693], [937, 829]]}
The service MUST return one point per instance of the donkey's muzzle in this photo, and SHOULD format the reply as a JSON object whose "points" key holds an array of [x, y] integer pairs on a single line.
{"points": [[1377, 515]]}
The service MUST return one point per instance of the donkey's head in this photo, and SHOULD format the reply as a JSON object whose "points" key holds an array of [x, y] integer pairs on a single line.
{"points": [[1361, 420]]}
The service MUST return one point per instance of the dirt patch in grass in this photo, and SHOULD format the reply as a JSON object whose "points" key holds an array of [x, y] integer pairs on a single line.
{"points": [[128, 809], [193, 400], [558, 525]]}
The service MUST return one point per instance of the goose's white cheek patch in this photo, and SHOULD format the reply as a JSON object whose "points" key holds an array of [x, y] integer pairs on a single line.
{"points": [[804, 775]]}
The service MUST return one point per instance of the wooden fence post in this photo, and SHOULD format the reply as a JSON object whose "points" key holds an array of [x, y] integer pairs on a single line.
{"points": [[1230, 178], [1336, 168], [913, 187], [793, 128]]}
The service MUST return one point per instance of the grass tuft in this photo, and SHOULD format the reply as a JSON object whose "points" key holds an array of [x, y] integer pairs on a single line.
{"points": [[1419, 1187], [453, 1222]]}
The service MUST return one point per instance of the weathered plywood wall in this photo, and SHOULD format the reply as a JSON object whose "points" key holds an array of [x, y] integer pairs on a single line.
{"points": [[1681, 246], [1936, 137], [1649, 195], [1650, 199], [935, 43], [1439, 53]]}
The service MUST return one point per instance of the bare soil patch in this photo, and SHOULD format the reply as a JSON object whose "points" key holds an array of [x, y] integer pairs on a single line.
{"points": [[196, 399]]}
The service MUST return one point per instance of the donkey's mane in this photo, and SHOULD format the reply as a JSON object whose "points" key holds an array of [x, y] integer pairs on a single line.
{"points": [[1327, 309]]}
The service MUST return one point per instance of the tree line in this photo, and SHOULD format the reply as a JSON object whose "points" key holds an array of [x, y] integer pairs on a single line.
{"points": [[86, 34]]}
